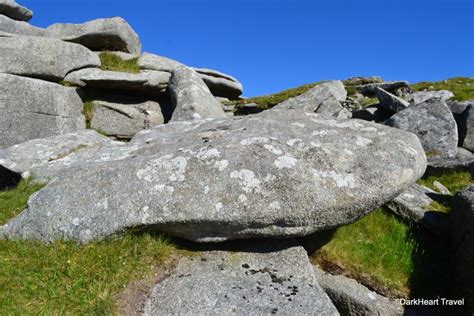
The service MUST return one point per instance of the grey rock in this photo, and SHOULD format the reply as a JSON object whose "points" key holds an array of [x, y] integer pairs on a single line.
{"points": [[390, 86], [15, 11], [113, 34], [42, 158], [441, 188], [220, 179], [191, 98], [468, 141], [390, 101], [19, 27], [52, 58], [147, 82], [272, 278], [121, 55], [374, 113], [462, 112], [34, 108], [354, 299], [220, 84], [124, 119], [414, 205], [433, 123], [323, 99], [357, 81], [463, 243], [464, 160], [422, 96]]}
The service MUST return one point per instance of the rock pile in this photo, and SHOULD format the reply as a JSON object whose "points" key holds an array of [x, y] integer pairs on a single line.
{"points": [[190, 171]]}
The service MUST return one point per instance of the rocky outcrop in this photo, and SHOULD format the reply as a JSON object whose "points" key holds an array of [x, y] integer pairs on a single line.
{"points": [[422, 96], [220, 84], [353, 299], [191, 98], [9, 25], [323, 99], [124, 117], [113, 34], [34, 108], [146, 82], [464, 160], [52, 59], [320, 163], [15, 11], [463, 243], [390, 86], [263, 279], [433, 123], [390, 101]]}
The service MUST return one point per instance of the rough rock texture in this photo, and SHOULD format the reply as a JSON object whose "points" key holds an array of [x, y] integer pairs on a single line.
{"points": [[51, 59], [220, 84], [191, 97], [433, 123], [221, 179], [32, 108], [353, 299], [15, 11], [464, 160], [18, 27], [43, 157], [390, 101], [125, 119], [422, 96], [113, 34], [147, 81], [413, 205], [390, 86], [463, 243], [323, 99], [463, 112], [271, 278]]}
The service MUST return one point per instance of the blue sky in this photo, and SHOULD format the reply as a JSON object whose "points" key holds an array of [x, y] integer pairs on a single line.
{"points": [[271, 45]]}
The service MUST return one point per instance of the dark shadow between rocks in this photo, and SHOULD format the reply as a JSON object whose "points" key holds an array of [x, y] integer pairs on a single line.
{"points": [[8, 178]]}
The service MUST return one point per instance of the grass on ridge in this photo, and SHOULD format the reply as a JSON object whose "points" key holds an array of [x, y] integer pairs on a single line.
{"points": [[454, 181], [385, 253], [113, 62], [66, 278], [462, 87]]}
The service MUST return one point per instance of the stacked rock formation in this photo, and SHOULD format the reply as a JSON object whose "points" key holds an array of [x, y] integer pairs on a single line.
{"points": [[190, 171]]}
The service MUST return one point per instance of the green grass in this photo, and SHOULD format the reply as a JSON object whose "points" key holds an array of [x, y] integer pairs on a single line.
{"points": [[14, 200], [462, 87], [88, 111], [454, 181], [387, 254], [115, 63], [68, 279]]}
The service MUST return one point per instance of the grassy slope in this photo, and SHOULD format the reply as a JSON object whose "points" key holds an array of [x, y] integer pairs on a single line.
{"points": [[65, 278], [462, 87]]}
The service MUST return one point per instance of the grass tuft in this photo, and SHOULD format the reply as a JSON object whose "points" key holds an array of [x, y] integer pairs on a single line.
{"points": [[462, 87], [88, 112], [113, 62], [14, 201]]}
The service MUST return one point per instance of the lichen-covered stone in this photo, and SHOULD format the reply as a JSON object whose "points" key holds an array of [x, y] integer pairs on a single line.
{"points": [[280, 173]]}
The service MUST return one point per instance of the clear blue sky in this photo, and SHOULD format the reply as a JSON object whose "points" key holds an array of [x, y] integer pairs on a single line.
{"points": [[271, 45]]}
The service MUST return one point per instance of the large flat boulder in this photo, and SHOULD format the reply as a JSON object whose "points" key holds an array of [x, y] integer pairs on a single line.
{"points": [[279, 173], [422, 96], [390, 101], [9, 25], [220, 84], [113, 34], [124, 117], [44, 157], [463, 243], [33, 108], [268, 278], [147, 82], [323, 99], [433, 123], [191, 97], [52, 59], [15, 11]]}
